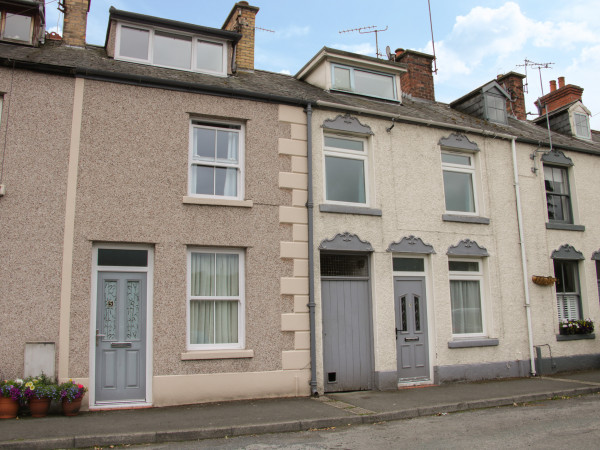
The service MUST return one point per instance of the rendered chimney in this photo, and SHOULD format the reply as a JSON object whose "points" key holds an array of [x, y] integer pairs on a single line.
{"points": [[512, 82], [565, 94], [552, 85], [75, 21], [418, 81], [242, 19]]}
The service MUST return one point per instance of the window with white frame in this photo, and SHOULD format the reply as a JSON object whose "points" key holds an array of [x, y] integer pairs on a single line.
{"points": [[361, 81], [216, 160], [346, 171], [582, 126], [16, 27], [568, 297], [215, 299], [466, 296], [459, 184], [558, 196], [168, 49]]}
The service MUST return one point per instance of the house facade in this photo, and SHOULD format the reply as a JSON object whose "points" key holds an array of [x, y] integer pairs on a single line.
{"points": [[177, 226]]}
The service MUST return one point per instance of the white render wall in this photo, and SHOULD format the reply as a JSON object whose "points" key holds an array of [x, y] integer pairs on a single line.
{"points": [[405, 180]]}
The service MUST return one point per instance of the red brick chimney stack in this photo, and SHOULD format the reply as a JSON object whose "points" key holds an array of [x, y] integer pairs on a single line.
{"points": [[557, 98], [552, 85], [75, 22], [418, 81], [512, 82], [242, 19]]}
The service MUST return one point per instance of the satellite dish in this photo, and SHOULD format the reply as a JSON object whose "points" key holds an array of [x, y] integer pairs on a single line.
{"points": [[388, 52]]}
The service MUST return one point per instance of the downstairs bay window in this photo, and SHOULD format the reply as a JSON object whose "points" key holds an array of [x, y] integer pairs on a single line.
{"points": [[215, 300]]}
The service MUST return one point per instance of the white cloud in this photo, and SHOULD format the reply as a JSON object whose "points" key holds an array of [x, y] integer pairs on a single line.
{"points": [[285, 72], [292, 31], [361, 49]]}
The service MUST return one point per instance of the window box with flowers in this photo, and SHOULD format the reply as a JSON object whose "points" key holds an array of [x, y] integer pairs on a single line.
{"points": [[575, 329]]}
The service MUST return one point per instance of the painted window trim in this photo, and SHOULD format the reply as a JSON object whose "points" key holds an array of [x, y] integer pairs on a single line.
{"points": [[194, 355], [486, 97], [240, 345], [193, 57], [472, 170], [240, 166], [569, 196], [470, 343], [470, 276], [3, 25], [352, 83], [578, 293], [348, 154], [588, 136]]}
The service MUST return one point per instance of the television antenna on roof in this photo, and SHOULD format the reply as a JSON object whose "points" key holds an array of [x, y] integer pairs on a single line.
{"points": [[369, 29]]}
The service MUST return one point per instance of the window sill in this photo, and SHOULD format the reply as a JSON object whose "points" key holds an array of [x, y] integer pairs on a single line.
{"points": [[217, 202], [343, 209], [564, 226], [465, 219], [467, 343], [216, 354], [574, 337]]}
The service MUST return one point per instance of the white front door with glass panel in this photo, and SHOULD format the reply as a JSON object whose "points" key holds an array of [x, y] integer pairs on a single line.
{"points": [[121, 337]]}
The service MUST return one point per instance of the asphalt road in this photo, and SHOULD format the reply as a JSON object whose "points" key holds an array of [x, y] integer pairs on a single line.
{"points": [[555, 424]]}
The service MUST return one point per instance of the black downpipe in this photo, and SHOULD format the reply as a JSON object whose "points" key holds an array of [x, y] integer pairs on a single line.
{"points": [[311, 264]]}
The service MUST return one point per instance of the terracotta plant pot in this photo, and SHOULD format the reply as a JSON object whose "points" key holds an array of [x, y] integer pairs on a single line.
{"points": [[39, 406], [8, 408], [71, 408]]}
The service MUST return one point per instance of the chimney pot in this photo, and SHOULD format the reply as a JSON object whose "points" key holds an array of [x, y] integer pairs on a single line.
{"points": [[561, 82], [552, 85]]}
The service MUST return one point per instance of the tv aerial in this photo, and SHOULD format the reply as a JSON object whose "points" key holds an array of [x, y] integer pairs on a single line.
{"points": [[366, 30]]}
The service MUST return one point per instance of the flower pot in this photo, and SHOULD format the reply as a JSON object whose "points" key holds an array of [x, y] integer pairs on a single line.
{"points": [[39, 406], [8, 408], [71, 408]]}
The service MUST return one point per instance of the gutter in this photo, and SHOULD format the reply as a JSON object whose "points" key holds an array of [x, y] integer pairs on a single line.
{"points": [[311, 265], [523, 260]]}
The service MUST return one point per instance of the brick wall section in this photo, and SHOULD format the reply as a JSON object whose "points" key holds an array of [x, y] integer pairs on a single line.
{"points": [[558, 98], [513, 83], [75, 22], [418, 81], [242, 20]]}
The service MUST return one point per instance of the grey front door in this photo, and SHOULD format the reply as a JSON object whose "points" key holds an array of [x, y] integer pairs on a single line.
{"points": [[347, 334], [411, 328], [121, 337]]}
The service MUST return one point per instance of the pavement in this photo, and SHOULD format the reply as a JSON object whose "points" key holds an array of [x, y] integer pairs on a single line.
{"points": [[235, 418]]}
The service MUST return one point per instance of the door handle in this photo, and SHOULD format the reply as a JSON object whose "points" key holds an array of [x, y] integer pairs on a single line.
{"points": [[407, 339], [98, 336]]}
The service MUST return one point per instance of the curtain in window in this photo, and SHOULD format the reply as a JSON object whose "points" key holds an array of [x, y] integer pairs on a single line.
{"points": [[214, 321], [232, 155], [568, 306], [466, 307]]}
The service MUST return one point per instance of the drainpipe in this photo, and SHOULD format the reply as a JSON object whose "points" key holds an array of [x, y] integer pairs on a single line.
{"points": [[523, 260], [311, 265]]}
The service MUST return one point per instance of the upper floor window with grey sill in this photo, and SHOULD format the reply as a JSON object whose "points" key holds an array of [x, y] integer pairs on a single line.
{"points": [[16, 27], [558, 196], [361, 81], [173, 50], [345, 170], [459, 192], [582, 126]]}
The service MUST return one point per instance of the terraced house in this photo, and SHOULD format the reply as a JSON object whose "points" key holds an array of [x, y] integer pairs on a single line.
{"points": [[177, 226]]}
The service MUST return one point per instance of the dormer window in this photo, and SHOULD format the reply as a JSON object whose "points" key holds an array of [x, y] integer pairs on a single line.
{"points": [[16, 27], [174, 50], [365, 82], [582, 126], [495, 107]]}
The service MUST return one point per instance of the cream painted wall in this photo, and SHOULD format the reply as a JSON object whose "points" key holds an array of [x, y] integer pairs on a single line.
{"points": [[405, 180]]}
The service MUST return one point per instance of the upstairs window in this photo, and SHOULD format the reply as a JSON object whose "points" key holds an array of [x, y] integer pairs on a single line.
{"points": [[558, 197], [345, 170], [582, 126], [173, 50], [458, 170], [360, 81], [16, 27], [495, 108]]}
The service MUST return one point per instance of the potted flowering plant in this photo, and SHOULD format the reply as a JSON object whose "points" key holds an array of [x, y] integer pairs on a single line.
{"points": [[573, 326], [39, 392], [10, 395], [71, 395]]}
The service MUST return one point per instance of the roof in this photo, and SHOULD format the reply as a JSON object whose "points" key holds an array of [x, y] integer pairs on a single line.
{"points": [[92, 62], [485, 87]]}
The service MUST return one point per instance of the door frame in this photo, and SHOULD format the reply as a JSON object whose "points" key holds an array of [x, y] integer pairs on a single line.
{"points": [[426, 274], [149, 270]]}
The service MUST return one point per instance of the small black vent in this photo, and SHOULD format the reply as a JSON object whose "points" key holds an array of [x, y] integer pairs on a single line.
{"points": [[332, 377], [344, 265]]}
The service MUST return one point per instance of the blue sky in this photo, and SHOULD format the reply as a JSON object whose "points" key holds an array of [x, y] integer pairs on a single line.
{"points": [[474, 40]]}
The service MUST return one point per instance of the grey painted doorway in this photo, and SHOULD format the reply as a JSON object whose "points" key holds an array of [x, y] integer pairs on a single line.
{"points": [[347, 329], [412, 347], [121, 337]]}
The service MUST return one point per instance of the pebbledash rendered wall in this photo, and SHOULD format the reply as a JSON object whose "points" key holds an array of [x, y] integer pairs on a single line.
{"points": [[405, 180], [92, 162], [35, 131]]}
